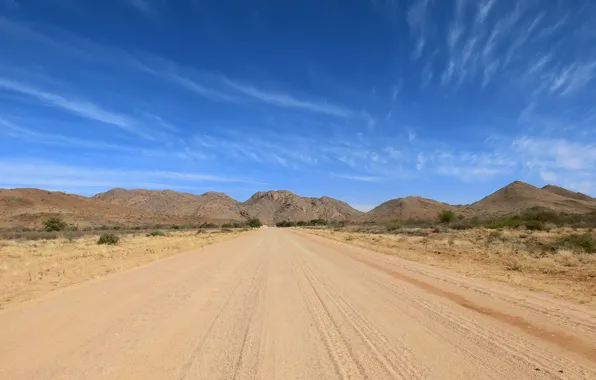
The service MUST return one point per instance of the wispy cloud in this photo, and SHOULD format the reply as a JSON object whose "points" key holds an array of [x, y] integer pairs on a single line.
{"points": [[33, 136], [484, 8], [358, 178], [79, 107], [143, 6], [288, 101], [42, 174]]}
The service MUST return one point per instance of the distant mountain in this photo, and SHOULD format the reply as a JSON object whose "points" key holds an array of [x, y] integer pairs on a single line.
{"points": [[568, 193], [276, 206], [29, 207], [212, 205], [412, 207], [518, 196], [270, 206]]}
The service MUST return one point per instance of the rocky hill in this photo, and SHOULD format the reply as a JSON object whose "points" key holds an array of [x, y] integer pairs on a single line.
{"points": [[519, 196], [276, 206], [415, 208], [208, 206], [28, 207]]}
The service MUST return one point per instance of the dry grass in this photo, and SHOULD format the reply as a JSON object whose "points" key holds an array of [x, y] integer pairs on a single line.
{"points": [[533, 260], [30, 268]]}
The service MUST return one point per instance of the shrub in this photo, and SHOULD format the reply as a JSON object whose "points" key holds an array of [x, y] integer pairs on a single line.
{"points": [[301, 223], [394, 225], [109, 239], [227, 225], [447, 216], [156, 233], [254, 223], [318, 222], [584, 242], [535, 225], [285, 223], [54, 224], [175, 227]]}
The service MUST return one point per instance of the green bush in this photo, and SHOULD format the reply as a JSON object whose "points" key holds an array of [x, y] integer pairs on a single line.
{"points": [[286, 223], [227, 225], [535, 225], [175, 227], [156, 233], [318, 222], [109, 239], [254, 223], [54, 224], [394, 225], [447, 216], [584, 242]]}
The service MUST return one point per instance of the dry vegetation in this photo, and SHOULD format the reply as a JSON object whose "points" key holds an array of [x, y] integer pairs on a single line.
{"points": [[30, 268], [561, 261]]}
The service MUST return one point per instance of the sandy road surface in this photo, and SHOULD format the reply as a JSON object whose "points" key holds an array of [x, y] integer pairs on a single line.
{"points": [[278, 304]]}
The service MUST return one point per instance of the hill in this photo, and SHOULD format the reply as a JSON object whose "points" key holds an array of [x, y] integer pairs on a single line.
{"points": [[208, 206], [519, 196], [415, 208], [276, 206], [28, 207], [568, 193]]}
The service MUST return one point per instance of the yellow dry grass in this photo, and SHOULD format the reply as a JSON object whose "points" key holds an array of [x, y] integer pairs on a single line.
{"points": [[505, 256], [31, 268]]}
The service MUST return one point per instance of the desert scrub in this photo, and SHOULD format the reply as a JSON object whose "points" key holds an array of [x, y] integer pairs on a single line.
{"points": [[584, 242], [155, 233], [109, 239]]}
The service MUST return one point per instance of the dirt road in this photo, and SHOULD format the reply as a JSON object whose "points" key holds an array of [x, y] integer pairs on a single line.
{"points": [[278, 304]]}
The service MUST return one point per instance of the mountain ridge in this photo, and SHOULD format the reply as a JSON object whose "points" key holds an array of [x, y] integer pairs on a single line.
{"points": [[27, 207]]}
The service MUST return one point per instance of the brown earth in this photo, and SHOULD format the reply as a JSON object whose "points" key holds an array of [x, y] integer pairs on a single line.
{"points": [[276, 304], [30, 268]]}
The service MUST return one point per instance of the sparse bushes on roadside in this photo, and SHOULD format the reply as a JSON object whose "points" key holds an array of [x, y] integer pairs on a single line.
{"points": [[285, 223], [109, 239], [447, 216], [54, 225], [254, 223], [155, 233]]}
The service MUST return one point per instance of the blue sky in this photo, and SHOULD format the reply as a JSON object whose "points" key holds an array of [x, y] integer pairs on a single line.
{"points": [[360, 100]]}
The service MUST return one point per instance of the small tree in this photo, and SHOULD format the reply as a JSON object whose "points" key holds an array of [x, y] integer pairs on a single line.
{"points": [[54, 224], [254, 223], [447, 216]]}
